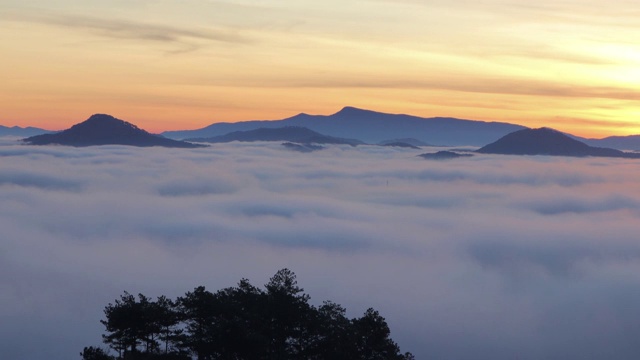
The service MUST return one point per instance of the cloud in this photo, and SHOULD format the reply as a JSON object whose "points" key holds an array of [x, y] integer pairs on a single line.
{"points": [[581, 205], [469, 83], [133, 30], [37, 180], [491, 257], [196, 187]]}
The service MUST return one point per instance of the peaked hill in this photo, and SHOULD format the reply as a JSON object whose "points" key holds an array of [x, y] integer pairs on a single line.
{"points": [[372, 127], [296, 134], [546, 141], [101, 129]]}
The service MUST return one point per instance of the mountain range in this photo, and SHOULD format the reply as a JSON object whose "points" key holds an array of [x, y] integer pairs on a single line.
{"points": [[101, 129], [346, 125], [371, 127]]}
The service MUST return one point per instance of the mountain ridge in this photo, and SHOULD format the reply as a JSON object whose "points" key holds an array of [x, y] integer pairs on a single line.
{"points": [[21, 131], [372, 127]]}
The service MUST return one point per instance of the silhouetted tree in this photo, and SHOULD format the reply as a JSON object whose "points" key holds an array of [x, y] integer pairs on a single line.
{"points": [[199, 309], [333, 340], [167, 319], [242, 323], [122, 324], [289, 316], [371, 338]]}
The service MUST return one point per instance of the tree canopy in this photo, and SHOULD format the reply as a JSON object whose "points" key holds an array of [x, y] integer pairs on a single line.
{"points": [[241, 323]]}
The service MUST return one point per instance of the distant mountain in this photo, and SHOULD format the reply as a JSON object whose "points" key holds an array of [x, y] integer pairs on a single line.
{"points": [[294, 134], [372, 127], [410, 141], [545, 141], [631, 142], [103, 129], [21, 132], [443, 155]]}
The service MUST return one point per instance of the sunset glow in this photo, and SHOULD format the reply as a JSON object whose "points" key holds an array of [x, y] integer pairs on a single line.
{"points": [[166, 65]]}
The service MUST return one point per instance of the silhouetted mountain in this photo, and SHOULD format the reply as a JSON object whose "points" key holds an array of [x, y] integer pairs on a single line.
{"points": [[103, 129], [545, 141], [305, 148], [410, 141], [21, 132], [372, 127], [294, 134], [400, 144], [443, 155]]}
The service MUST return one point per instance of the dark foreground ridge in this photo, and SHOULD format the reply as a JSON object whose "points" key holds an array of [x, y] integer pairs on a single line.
{"points": [[103, 129], [546, 141], [296, 134], [244, 323]]}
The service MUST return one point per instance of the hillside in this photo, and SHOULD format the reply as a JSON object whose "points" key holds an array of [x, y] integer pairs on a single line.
{"points": [[101, 129], [546, 141]]}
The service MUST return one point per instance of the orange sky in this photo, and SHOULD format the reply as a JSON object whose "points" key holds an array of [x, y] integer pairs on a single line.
{"points": [[182, 64]]}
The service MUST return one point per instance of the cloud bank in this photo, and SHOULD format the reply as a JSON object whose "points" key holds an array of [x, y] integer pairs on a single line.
{"points": [[491, 257]]}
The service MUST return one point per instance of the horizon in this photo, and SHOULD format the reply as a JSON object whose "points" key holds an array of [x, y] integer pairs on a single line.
{"points": [[160, 131], [173, 65]]}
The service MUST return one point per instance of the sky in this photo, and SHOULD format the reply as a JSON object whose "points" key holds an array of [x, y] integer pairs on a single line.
{"points": [[490, 257], [573, 65]]}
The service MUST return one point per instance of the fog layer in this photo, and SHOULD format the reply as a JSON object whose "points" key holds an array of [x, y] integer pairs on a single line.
{"points": [[488, 257]]}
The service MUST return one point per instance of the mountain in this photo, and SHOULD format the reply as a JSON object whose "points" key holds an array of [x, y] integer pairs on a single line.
{"points": [[21, 132], [103, 129], [372, 127], [294, 134], [546, 141]]}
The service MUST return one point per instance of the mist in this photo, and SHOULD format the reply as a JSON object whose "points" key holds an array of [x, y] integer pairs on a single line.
{"points": [[488, 257]]}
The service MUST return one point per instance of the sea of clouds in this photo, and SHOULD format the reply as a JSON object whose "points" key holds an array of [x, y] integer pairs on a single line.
{"points": [[488, 257]]}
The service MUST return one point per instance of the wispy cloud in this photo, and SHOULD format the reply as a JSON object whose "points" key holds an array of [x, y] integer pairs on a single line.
{"points": [[133, 30], [481, 84]]}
